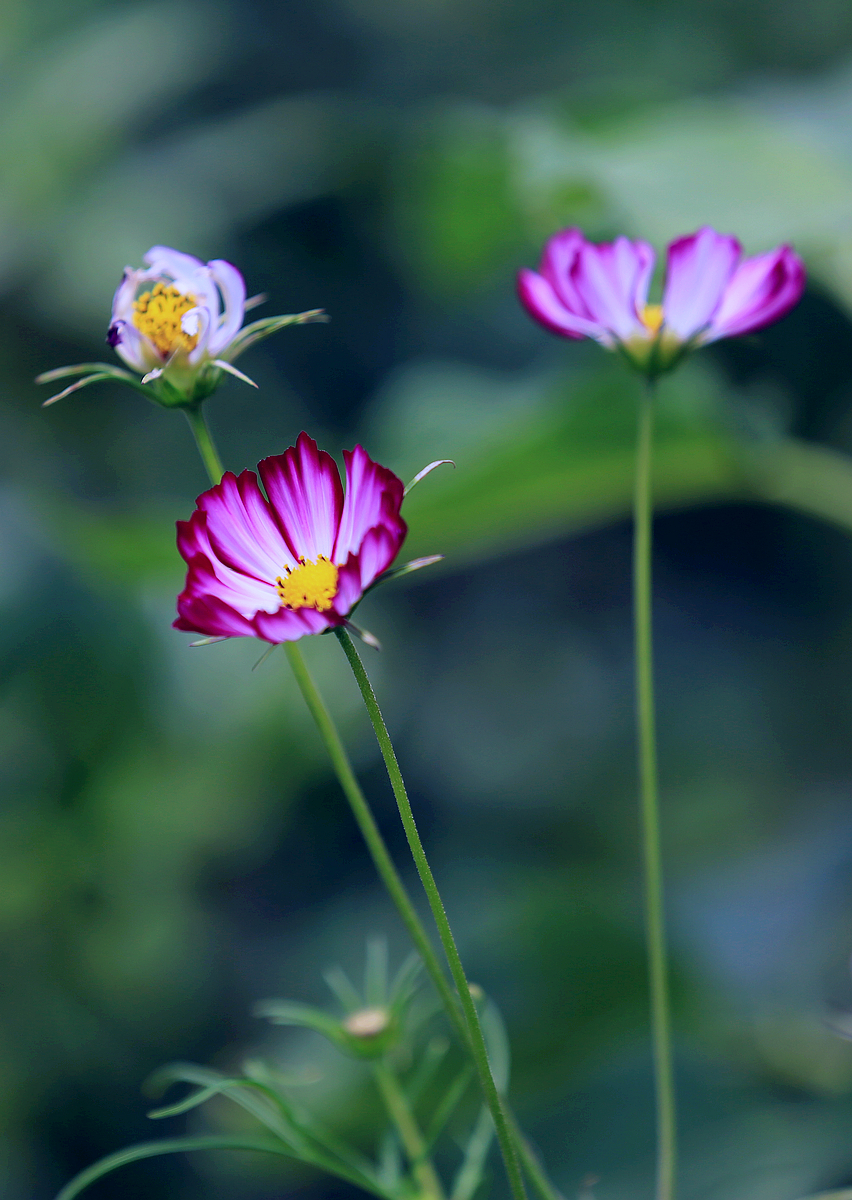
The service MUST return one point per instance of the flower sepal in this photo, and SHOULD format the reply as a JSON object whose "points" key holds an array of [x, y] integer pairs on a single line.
{"points": [[266, 326], [653, 357]]}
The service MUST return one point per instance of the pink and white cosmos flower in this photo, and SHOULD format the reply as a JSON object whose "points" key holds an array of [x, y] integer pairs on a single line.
{"points": [[295, 560], [584, 290]]}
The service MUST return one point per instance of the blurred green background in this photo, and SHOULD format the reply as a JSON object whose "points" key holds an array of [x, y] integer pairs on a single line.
{"points": [[172, 846]]}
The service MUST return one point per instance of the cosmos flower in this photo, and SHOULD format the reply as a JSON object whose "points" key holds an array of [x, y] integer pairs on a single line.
{"points": [[583, 290], [295, 560], [178, 323], [176, 313]]}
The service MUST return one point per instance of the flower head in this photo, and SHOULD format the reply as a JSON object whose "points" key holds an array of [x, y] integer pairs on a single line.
{"points": [[178, 322], [176, 313], [584, 290], [295, 560]]}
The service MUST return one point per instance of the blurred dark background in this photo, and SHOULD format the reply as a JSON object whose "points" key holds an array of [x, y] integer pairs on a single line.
{"points": [[172, 846]]}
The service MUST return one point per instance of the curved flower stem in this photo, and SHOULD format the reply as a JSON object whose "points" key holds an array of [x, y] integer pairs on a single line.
{"points": [[646, 729], [370, 832], [412, 1139], [475, 1038], [204, 441]]}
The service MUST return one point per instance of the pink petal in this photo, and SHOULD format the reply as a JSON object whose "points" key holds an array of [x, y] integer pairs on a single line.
{"points": [[612, 280], [373, 497], [304, 489], [378, 550], [761, 290], [290, 624], [698, 270], [539, 298], [232, 286], [211, 617], [207, 574], [243, 533], [557, 265], [349, 587]]}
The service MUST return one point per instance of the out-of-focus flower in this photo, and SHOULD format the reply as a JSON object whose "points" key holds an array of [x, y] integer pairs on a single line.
{"points": [[178, 323], [583, 290], [295, 560]]}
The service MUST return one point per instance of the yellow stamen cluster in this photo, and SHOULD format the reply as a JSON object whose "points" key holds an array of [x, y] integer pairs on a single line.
{"points": [[157, 314], [651, 317], [310, 585]]}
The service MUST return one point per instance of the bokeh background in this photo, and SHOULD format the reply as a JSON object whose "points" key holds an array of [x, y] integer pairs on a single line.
{"points": [[172, 846]]}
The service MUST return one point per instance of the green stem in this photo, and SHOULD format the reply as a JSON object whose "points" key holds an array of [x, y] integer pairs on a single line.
{"points": [[654, 908], [204, 441], [412, 1139], [476, 1038], [370, 832]]}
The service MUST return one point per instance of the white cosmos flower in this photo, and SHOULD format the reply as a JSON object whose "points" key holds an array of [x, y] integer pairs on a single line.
{"points": [[176, 313], [178, 322]]}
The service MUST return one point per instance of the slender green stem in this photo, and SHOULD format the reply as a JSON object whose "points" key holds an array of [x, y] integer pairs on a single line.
{"points": [[412, 1139], [476, 1038], [370, 832], [204, 441], [654, 907]]}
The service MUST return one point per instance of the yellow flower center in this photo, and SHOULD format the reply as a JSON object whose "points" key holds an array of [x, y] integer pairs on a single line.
{"points": [[651, 317], [157, 315], [310, 585]]}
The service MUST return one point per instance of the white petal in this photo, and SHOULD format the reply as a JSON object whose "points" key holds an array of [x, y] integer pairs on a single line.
{"points": [[172, 262], [232, 286]]}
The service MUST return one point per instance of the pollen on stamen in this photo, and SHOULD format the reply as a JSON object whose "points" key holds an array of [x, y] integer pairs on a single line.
{"points": [[651, 317], [157, 314], [309, 585]]}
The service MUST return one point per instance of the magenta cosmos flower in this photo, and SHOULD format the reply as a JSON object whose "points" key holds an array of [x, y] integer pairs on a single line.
{"points": [[583, 290], [295, 560]]}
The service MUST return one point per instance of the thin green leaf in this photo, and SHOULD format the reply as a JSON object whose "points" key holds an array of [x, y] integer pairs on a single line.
{"points": [[433, 1054], [405, 982], [164, 1146], [308, 1125], [255, 1098], [343, 988], [258, 330], [76, 387], [376, 972], [416, 564], [470, 1174], [226, 366], [262, 658], [273, 1111], [80, 369], [369, 639], [290, 1012], [390, 1160], [496, 1043], [201, 1096], [448, 1105], [439, 462]]}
